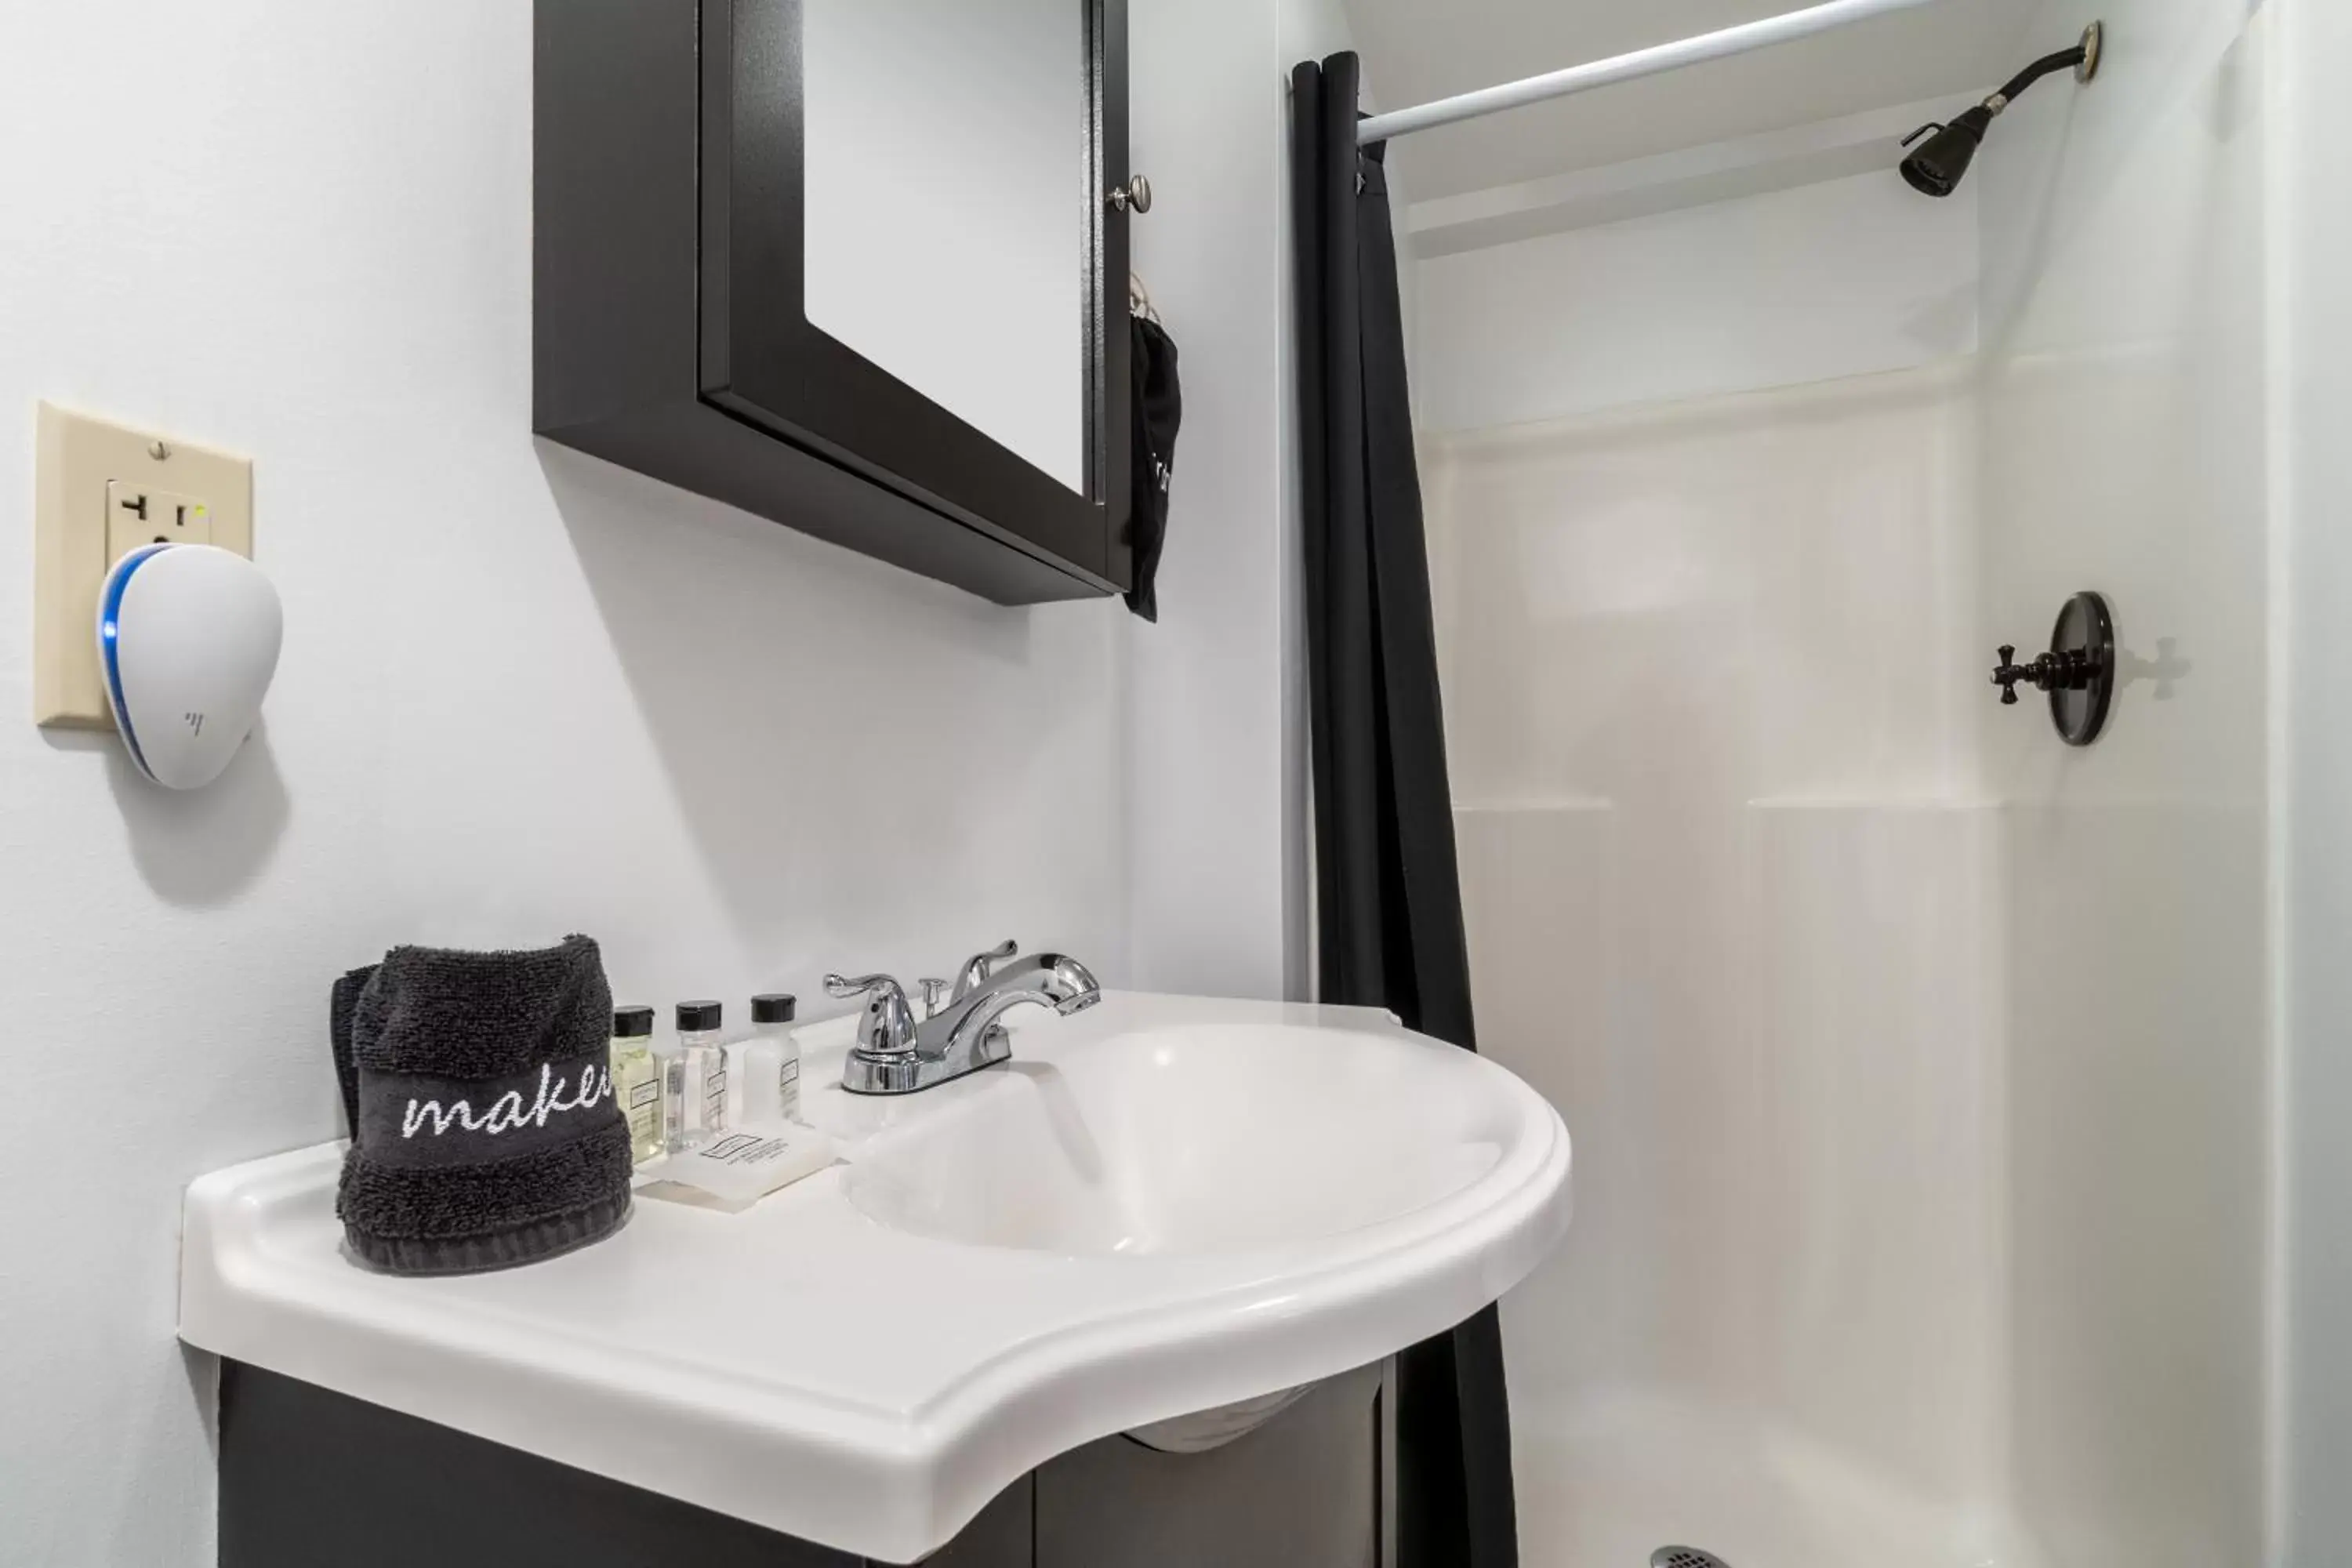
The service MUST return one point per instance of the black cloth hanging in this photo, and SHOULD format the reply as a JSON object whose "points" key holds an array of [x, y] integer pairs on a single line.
{"points": [[1389, 900], [1158, 410]]}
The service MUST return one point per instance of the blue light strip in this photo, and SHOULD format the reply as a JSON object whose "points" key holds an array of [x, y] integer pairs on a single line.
{"points": [[117, 580]]}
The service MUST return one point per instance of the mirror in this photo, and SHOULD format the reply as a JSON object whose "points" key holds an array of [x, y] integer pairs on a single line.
{"points": [[948, 203]]}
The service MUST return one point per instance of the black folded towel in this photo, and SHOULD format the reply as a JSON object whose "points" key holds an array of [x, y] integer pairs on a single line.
{"points": [[340, 1006], [1159, 409], [483, 1131]]}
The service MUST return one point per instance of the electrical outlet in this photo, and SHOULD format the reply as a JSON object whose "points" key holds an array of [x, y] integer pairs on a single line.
{"points": [[140, 514], [101, 491]]}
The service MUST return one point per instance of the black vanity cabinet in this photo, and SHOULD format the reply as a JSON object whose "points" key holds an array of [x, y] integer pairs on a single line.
{"points": [[857, 266], [310, 1477]]}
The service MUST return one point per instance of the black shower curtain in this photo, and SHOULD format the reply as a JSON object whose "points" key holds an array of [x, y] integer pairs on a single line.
{"points": [[1388, 900]]}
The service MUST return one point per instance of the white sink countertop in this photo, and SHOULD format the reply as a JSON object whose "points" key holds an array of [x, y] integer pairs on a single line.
{"points": [[1160, 1205]]}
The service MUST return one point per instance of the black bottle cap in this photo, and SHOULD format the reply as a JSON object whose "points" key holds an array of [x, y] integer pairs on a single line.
{"points": [[697, 1016], [629, 1022], [774, 1007]]}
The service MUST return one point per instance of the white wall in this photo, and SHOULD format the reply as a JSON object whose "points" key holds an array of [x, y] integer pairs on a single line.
{"points": [[525, 693], [1207, 855], [1219, 856], [2313, 42], [1845, 278], [2127, 448]]}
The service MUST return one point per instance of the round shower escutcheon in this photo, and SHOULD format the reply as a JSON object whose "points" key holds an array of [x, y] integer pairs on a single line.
{"points": [[2078, 673], [2085, 630]]}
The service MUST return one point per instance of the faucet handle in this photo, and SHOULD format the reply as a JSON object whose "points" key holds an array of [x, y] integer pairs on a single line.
{"points": [[836, 985], [889, 1024], [975, 969]]}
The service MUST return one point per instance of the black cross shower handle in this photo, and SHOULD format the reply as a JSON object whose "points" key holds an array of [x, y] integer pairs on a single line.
{"points": [[2070, 670]]}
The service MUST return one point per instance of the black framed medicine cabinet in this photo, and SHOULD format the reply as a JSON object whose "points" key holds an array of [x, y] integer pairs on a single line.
{"points": [[851, 265]]}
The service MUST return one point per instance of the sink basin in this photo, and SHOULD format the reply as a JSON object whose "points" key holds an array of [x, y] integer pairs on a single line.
{"points": [[1160, 1205], [1203, 1140]]}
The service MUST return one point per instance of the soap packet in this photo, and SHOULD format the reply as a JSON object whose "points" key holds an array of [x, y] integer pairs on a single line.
{"points": [[738, 1169]]}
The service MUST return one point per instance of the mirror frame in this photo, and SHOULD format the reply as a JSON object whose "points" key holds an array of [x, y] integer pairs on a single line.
{"points": [[762, 362]]}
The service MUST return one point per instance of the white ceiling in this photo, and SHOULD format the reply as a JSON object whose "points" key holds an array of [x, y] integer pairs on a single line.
{"points": [[1415, 50]]}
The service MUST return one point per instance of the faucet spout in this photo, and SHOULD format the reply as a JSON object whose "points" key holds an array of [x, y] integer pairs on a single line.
{"points": [[1046, 979]]}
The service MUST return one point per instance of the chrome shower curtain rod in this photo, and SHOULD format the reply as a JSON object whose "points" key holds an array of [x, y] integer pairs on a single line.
{"points": [[1713, 45]]}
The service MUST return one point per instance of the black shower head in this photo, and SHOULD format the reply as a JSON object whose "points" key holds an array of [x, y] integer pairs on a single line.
{"points": [[1940, 163]]}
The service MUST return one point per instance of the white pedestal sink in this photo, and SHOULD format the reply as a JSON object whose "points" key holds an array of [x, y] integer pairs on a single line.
{"points": [[1161, 1205]]}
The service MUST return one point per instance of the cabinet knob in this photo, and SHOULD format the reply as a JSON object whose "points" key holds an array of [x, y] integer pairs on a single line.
{"points": [[1133, 196]]}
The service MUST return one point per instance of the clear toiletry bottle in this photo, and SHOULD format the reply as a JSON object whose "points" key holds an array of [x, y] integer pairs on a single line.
{"points": [[636, 1082], [772, 1061], [694, 1078]]}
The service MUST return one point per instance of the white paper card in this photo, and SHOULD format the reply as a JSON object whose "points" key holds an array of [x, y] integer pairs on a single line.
{"points": [[742, 1166]]}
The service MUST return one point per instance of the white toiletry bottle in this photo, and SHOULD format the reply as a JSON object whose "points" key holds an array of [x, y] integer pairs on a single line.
{"points": [[694, 1078], [770, 1061], [637, 1081]]}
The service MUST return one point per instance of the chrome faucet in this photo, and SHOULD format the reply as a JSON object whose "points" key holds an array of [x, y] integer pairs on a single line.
{"points": [[898, 1054]]}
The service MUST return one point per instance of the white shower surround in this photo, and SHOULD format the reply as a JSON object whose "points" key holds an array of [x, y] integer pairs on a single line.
{"points": [[1706, 664], [1920, 1069]]}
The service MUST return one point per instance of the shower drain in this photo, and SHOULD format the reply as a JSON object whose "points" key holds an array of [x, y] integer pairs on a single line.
{"points": [[1684, 1557]]}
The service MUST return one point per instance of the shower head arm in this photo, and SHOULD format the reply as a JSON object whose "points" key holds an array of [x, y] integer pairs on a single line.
{"points": [[2073, 59]]}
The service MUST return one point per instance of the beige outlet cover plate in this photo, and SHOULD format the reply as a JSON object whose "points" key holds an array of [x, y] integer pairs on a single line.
{"points": [[90, 478]]}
